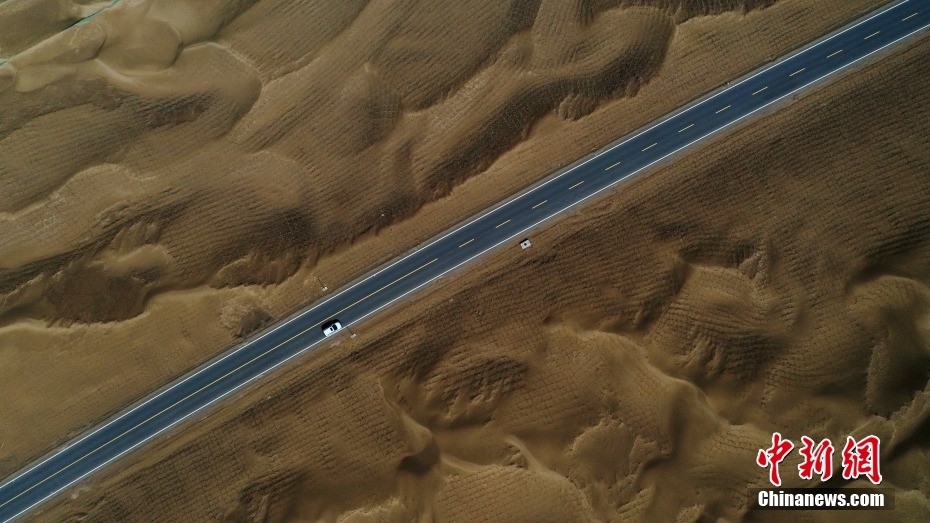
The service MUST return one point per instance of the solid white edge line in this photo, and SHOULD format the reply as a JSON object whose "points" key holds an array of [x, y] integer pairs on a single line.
{"points": [[782, 61], [208, 385], [204, 387], [302, 351], [196, 372]]}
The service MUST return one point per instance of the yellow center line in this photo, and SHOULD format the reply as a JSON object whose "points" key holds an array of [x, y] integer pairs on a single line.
{"points": [[760, 90], [612, 166], [834, 53], [651, 146], [224, 376], [540, 203], [908, 17], [722, 109], [499, 225], [576, 185], [466, 243], [871, 35], [686, 128], [798, 71]]}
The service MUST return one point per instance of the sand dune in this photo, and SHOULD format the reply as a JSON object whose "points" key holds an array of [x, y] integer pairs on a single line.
{"points": [[756, 289], [179, 121], [174, 175]]}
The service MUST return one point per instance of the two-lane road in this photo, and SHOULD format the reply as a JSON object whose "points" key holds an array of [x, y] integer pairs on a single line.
{"points": [[503, 224]]}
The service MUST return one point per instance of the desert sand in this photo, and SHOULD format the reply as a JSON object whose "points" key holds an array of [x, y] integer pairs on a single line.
{"points": [[173, 178], [205, 172], [629, 365]]}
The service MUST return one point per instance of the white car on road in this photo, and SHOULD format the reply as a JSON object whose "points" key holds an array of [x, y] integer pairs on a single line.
{"points": [[331, 327]]}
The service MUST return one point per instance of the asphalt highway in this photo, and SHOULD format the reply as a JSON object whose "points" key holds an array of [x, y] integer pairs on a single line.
{"points": [[502, 226]]}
